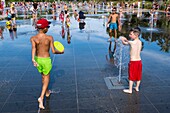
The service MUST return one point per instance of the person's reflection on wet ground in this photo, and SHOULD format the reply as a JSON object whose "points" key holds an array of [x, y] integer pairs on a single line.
{"points": [[47, 106], [115, 40], [82, 25], [136, 98], [68, 37], [15, 30], [62, 32], [67, 22], [111, 53], [1, 33], [11, 33], [12, 29]]}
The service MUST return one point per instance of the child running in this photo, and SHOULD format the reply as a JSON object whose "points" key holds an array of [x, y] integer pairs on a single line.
{"points": [[1, 33], [135, 64], [41, 44]]}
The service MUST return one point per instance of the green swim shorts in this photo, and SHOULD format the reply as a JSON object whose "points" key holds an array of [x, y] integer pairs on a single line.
{"points": [[44, 65]]}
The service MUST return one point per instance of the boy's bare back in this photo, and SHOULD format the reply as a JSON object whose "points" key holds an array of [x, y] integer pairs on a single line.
{"points": [[42, 43], [135, 49]]}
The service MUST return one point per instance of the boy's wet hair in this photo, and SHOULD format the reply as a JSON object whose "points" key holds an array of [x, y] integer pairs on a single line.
{"points": [[136, 30]]}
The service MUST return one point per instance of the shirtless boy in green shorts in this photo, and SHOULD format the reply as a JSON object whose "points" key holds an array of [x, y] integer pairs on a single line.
{"points": [[41, 44]]}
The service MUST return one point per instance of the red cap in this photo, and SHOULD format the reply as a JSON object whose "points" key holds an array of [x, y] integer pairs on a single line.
{"points": [[42, 23]]}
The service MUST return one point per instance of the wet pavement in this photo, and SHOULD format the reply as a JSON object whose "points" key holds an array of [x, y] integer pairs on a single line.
{"points": [[77, 76]]}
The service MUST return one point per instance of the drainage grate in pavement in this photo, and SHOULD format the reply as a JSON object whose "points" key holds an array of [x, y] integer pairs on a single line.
{"points": [[113, 83]]}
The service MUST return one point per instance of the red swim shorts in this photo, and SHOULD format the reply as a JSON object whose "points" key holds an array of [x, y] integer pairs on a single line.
{"points": [[135, 70]]}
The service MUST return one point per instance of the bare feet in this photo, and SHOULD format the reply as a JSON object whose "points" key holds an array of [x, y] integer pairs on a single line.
{"points": [[40, 100], [127, 91], [136, 89], [48, 93]]}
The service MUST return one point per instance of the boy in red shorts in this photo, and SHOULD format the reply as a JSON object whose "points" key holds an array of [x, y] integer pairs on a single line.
{"points": [[135, 64]]}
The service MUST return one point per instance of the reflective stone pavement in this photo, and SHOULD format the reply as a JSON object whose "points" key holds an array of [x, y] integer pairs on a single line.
{"points": [[78, 75]]}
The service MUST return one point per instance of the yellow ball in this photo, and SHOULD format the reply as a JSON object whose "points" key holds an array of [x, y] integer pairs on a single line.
{"points": [[59, 46]]}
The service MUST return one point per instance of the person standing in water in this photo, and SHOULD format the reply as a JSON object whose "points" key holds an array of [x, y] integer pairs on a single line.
{"points": [[41, 44], [34, 13], [135, 64], [112, 22], [13, 15]]}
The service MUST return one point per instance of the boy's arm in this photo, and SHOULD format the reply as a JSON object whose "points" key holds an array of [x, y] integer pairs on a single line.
{"points": [[33, 52], [125, 41], [118, 18], [54, 51], [108, 20], [33, 48]]}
